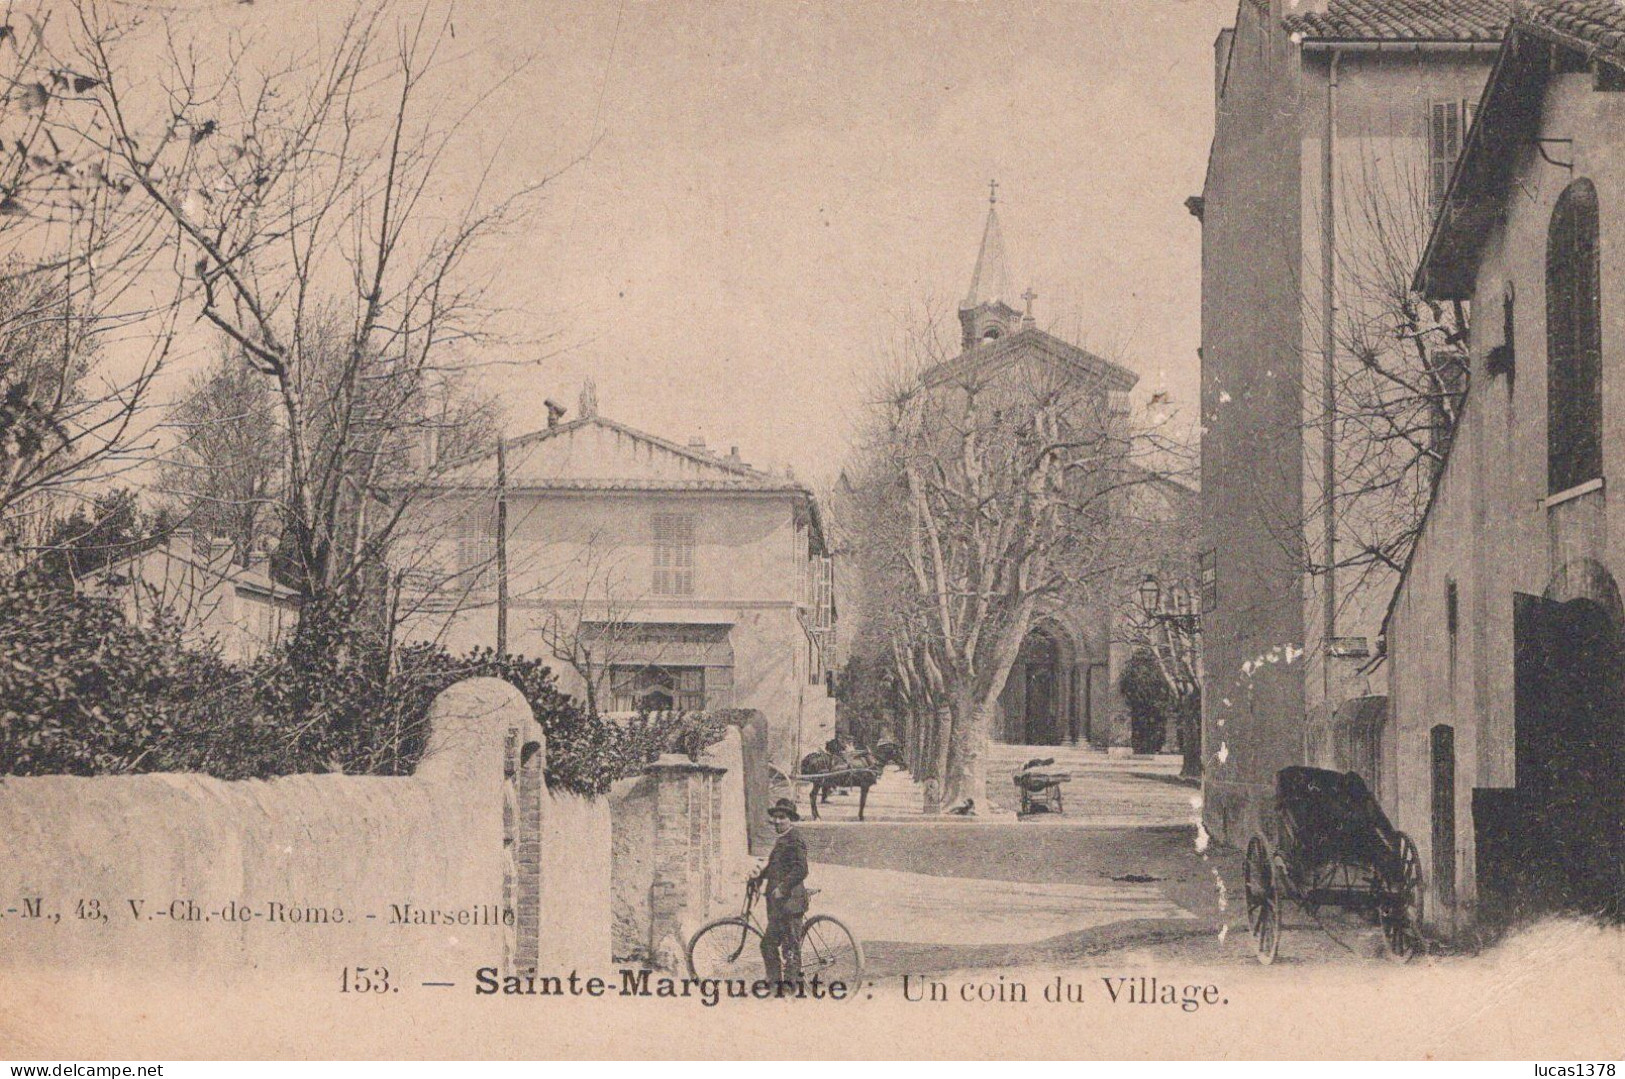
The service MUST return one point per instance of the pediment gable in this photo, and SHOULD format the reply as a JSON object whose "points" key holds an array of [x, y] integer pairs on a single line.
{"points": [[597, 453], [1034, 345]]}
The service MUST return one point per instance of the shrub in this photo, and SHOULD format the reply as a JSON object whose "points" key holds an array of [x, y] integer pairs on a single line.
{"points": [[85, 692], [82, 690]]}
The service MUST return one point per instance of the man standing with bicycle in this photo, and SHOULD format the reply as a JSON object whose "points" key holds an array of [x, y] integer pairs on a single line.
{"points": [[784, 877]]}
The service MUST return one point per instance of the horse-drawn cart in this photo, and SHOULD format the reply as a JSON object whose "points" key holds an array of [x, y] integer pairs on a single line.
{"points": [[1332, 846]]}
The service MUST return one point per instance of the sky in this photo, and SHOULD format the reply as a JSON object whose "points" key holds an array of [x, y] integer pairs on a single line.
{"points": [[755, 195]]}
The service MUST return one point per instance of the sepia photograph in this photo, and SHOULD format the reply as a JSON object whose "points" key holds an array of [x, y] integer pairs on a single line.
{"points": [[801, 530]]}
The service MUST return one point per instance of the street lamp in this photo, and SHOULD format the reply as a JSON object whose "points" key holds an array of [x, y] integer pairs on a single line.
{"points": [[1150, 596], [1177, 611]]}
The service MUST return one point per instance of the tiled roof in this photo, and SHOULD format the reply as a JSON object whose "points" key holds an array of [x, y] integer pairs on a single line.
{"points": [[1587, 24], [1406, 20]]}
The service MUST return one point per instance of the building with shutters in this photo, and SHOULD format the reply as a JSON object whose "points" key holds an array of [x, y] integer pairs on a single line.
{"points": [[1338, 123], [652, 576], [1506, 638]]}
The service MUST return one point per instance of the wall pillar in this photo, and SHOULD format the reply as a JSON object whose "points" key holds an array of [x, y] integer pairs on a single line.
{"points": [[687, 852]]}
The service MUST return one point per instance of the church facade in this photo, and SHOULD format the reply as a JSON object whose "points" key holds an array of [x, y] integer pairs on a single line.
{"points": [[1063, 688]]}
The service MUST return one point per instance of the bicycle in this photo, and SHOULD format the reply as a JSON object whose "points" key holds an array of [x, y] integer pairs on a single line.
{"points": [[732, 948]]}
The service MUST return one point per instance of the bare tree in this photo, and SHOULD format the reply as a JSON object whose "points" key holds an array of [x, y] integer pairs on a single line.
{"points": [[591, 627], [1005, 482], [1159, 603], [224, 471], [74, 288], [1397, 380], [301, 196]]}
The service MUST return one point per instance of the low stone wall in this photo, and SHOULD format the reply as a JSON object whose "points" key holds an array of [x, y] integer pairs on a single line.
{"points": [[470, 862], [680, 851]]}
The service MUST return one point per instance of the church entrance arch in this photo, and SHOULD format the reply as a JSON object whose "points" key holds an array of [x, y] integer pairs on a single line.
{"points": [[1043, 700]]}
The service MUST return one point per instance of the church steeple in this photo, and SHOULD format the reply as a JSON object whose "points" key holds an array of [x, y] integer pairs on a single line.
{"points": [[985, 313]]}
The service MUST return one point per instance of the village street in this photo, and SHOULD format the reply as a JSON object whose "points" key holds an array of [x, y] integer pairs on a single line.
{"points": [[1117, 876]]}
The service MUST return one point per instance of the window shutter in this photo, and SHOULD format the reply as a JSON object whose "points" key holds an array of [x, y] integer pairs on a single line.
{"points": [[673, 554], [1445, 129]]}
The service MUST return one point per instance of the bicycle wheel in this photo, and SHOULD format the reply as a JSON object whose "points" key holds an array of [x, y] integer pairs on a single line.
{"points": [[726, 948], [831, 953]]}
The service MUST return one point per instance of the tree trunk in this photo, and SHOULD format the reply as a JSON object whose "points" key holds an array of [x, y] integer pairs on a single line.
{"points": [[941, 727], [968, 779]]}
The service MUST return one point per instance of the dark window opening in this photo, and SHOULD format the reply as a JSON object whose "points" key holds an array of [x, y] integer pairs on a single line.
{"points": [[657, 689], [1503, 358], [1573, 341], [1444, 813]]}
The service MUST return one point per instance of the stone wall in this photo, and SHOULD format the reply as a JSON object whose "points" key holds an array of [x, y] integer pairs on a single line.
{"points": [[470, 862], [680, 851]]}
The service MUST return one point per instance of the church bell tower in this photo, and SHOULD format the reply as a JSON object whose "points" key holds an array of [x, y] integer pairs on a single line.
{"points": [[985, 313]]}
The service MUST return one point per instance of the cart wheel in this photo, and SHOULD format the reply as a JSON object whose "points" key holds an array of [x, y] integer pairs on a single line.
{"points": [[1401, 910], [1263, 900]]}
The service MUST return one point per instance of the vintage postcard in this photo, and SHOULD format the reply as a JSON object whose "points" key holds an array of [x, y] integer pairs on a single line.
{"points": [[800, 530]]}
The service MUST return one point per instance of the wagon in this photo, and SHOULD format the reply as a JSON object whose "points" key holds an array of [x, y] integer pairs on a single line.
{"points": [[1040, 790], [1332, 846]]}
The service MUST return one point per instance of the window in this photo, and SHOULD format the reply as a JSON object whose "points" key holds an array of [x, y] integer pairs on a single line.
{"points": [[823, 597], [674, 554], [476, 533], [1573, 341], [657, 689], [1207, 571], [1447, 127]]}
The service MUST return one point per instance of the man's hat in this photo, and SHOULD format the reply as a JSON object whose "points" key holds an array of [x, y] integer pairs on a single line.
{"points": [[783, 808]]}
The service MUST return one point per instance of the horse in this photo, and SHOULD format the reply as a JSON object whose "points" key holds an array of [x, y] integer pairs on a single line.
{"points": [[888, 752], [834, 770]]}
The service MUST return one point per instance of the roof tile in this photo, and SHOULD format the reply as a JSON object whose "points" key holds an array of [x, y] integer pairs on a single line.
{"points": [[1594, 24], [1405, 20]]}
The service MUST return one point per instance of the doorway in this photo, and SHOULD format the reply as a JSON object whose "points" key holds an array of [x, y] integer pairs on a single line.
{"points": [[1566, 815], [1040, 716]]}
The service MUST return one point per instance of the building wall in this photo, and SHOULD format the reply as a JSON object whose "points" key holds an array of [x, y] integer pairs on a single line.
{"points": [[575, 557], [1382, 107], [1263, 348], [1251, 452], [1489, 529]]}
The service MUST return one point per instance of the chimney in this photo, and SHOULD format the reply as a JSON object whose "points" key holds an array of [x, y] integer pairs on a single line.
{"points": [[222, 552], [733, 456], [588, 406], [555, 413], [179, 543], [260, 561]]}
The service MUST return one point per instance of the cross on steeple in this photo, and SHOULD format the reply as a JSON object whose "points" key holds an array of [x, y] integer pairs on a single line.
{"points": [[992, 192]]}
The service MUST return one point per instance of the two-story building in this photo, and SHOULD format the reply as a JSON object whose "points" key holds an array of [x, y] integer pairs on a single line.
{"points": [[1337, 125], [1507, 635], [652, 575]]}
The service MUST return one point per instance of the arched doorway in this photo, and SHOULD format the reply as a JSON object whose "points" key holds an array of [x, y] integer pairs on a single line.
{"points": [[1041, 719], [1569, 726]]}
